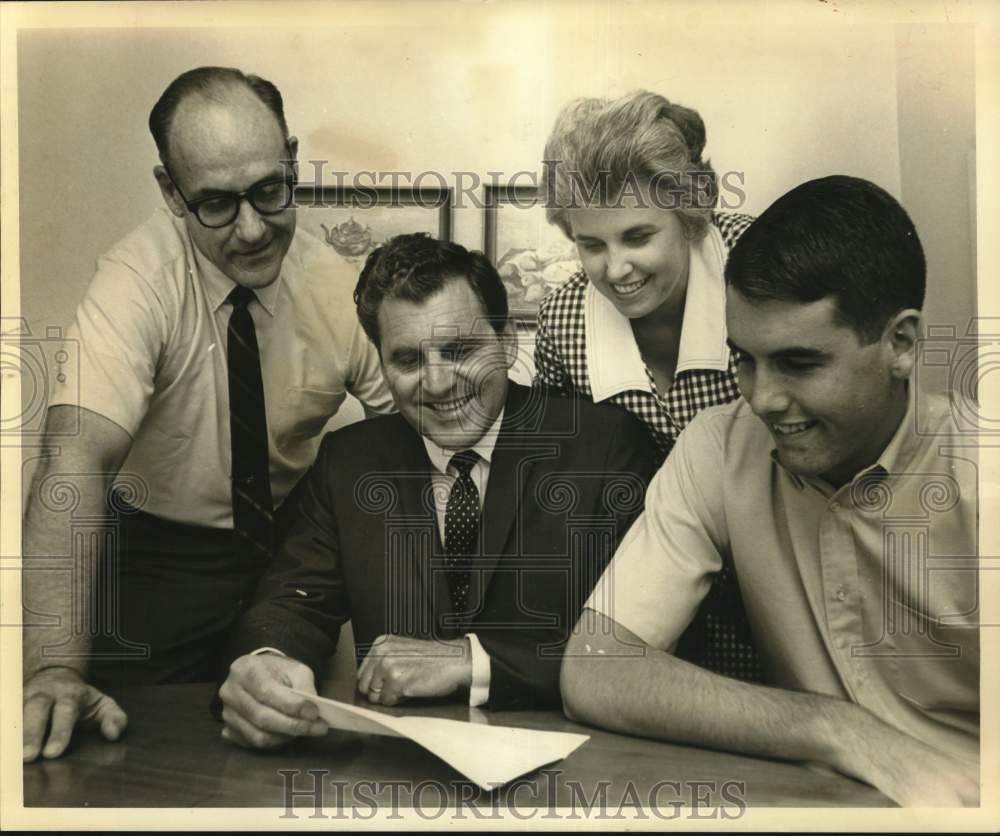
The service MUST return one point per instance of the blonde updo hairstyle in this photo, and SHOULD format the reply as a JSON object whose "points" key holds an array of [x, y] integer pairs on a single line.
{"points": [[600, 148]]}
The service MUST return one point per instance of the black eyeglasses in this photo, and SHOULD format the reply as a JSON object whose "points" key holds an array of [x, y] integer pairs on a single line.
{"points": [[268, 197]]}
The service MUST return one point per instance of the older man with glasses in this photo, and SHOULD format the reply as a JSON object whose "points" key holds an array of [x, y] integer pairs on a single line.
{"points": [[214, 344]]}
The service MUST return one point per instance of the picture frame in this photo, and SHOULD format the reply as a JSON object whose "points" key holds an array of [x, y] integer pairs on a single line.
{"points": [[532, 256], [354, 220]]}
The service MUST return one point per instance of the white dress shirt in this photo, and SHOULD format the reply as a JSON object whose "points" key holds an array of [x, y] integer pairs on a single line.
{"points": [[442, 478], [147, 350]]}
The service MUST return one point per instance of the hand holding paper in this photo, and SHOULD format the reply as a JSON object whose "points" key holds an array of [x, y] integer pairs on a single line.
{"points": [[260, 708]]}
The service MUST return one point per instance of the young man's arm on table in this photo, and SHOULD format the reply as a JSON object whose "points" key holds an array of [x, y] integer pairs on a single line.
{"points": [[91, 451], [611, 678]]}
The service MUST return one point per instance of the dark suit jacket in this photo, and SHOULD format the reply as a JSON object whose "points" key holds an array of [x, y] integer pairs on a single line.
{"points": [[566, 480]]}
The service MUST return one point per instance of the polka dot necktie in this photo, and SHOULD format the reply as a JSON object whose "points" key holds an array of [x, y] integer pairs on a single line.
{"points": [[252, 508], [461, 528]]}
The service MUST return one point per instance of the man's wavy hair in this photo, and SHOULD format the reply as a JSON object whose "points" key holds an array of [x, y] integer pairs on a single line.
{"points": [[414, 267]]}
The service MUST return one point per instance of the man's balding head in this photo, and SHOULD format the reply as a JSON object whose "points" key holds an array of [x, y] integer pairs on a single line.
{"points": [[222, 139], [207, 85], [206, 133]]}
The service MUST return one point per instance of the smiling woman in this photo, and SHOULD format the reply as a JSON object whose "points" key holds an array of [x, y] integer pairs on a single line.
{"points": [[637, 257], [643, 324]]}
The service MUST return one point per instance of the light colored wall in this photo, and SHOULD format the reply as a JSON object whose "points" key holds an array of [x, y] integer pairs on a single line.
{"points": [[937, 140], [479, 91]]}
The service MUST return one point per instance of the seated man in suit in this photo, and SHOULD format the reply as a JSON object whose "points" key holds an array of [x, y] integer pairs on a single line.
{"points": [[461, 536], [845, 500]]}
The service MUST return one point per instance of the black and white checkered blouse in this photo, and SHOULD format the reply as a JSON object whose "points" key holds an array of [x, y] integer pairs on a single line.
{"points": [[719, 637], [561, 358]]}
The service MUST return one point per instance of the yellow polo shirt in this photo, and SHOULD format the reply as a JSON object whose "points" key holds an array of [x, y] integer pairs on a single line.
{"points": [[866, 593], [151, 338]]}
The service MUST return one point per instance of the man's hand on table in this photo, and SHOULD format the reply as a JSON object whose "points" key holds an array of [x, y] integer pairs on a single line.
{"points": [[938, 780], [907, 770], [398, 667], [914, 774], [61, 695], [259, 708]]}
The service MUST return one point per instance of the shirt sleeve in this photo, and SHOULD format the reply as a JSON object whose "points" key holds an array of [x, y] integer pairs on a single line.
{"points": [[365, 379], [117, 337], [731, 226], [549, 369], [664, 566], [479, 691]]}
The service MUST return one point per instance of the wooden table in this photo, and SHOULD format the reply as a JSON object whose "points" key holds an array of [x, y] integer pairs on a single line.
{"points": [[172, 756]]}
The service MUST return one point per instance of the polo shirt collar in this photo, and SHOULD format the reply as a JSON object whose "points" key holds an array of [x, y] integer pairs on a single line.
{"points": [[441, 458], [794, 477], [904, 443], [613, 359], [218, 285]]}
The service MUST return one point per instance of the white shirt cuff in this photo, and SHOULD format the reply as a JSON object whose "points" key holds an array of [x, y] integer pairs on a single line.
{"points": [[260, 650], [479, 691]]}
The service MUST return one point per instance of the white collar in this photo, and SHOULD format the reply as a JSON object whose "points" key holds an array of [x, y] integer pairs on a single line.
{"points": [[613, 358], [441, 458]]}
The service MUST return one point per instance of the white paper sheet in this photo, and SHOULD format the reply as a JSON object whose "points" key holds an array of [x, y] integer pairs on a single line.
{"points": [[490, 756]]}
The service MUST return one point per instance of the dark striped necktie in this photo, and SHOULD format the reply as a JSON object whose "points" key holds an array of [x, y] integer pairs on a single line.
{"points": [[461, 528], [252, 508]]}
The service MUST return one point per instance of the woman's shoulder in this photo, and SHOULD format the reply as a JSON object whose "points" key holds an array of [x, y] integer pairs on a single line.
{"points": [[568, 297], [731, 225]]}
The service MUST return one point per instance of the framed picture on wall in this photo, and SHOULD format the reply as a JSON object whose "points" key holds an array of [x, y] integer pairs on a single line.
{"points": [[532, 256], [355, 220]]}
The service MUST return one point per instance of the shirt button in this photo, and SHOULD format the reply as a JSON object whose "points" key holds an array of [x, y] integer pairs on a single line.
{"points": [[840, 594], [835, 506]]}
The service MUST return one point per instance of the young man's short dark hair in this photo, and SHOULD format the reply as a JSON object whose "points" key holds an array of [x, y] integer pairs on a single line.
{"points": [[837, 236]]}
